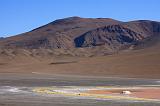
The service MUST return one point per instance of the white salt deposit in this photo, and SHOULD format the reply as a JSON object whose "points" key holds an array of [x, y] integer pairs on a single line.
{"points": [[126, 92], [13, 89]]}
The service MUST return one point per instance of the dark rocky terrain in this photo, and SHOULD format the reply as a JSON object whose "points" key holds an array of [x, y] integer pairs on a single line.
{"points": [[115, 36], [57, 34], [82, 36], [1, 38]]}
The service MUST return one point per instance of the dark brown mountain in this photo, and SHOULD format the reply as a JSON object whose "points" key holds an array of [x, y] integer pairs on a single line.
{"points": [[57, 34], [1, 38], [112, 36], [100, 35], [119, 35]]}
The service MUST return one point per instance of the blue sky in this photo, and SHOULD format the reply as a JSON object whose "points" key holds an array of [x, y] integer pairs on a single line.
{"points": [[18, 16]]}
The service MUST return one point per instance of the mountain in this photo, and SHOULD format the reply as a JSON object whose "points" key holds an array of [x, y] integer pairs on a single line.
{"points": [[119, 35], [57, 34], [83, 36], [121, 49], [1, 38], [112, 36]]}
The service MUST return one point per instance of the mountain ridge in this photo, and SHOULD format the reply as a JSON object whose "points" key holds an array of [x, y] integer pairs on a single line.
{"points": [[86, 33], [67, 28], [107, 48]]}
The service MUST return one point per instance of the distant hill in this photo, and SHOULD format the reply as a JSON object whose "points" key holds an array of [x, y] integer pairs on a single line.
{"points": [[1, 38], [78, 35], [57, 34]]}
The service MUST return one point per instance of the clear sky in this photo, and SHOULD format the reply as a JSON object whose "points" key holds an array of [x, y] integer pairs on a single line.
{"points": [[18, 16]]}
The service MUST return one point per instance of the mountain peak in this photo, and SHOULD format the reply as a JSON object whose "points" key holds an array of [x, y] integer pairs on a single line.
{"points": [[73, 32]]}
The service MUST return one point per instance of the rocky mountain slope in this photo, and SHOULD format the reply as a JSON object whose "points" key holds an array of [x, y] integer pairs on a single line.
{"points": [[1, 38], [115, 36], [81, 36], [57, 34]]}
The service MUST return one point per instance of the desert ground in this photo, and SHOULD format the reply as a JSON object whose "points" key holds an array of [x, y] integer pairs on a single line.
{"points": [[39, 81], [21, 89], [143, 63]]}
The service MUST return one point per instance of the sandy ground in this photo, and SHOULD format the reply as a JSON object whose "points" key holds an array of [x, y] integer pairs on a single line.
{"points": [[138, 63], [148, 93]]}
